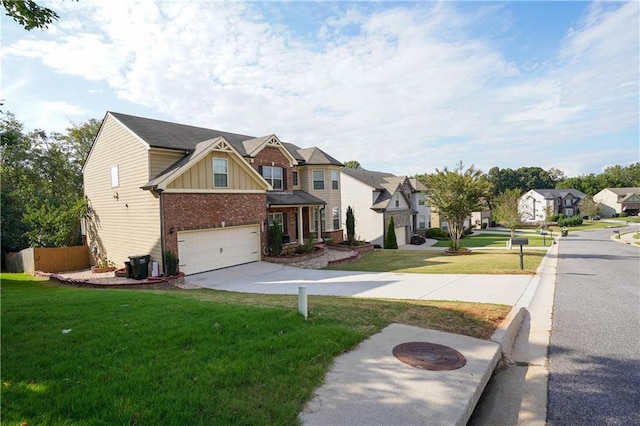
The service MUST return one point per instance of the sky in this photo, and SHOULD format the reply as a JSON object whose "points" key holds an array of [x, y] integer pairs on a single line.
{"points": [[400, 87]]}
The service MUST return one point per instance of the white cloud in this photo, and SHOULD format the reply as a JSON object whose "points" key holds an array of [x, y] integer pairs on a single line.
{"points": [[384, 86]]}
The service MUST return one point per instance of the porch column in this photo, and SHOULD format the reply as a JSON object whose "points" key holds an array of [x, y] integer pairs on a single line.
{"points": [[300, 227]]}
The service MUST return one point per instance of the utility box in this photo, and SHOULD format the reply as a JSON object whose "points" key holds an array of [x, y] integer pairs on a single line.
{"points": [[140, 266]]}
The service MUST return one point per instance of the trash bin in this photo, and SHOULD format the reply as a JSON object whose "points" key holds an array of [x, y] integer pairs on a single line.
{"points": [[140, 266], [565, 232], [128, 269]]}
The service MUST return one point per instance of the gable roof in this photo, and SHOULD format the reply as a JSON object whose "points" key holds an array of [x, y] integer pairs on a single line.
{"points": [[316, 156], [560, 193], [416, 185], [386, 184]]}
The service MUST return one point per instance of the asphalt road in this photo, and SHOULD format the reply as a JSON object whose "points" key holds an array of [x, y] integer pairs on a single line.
{"points": [[594, 356]]}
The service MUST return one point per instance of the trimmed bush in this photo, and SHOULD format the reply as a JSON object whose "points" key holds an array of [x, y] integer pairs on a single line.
{"points": [[390, 240], [275, 240], [624, 214], [437, 234]]}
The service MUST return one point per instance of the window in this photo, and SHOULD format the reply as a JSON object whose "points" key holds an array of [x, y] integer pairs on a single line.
{"points": [[115, 181], [396, 200], [314, 222], [318, 179], [422, 221], [334, 180], [335, 215], [220, 173], [294, 177], [273, 175], [276, 219], [568, 201], [421, 200]]}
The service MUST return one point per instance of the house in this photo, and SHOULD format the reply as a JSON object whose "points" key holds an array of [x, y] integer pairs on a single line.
{"points": [[613, 201], [537, 204], [207, 196], [422, 217], [374, 198]]}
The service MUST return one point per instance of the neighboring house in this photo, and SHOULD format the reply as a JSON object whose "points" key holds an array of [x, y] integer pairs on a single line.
{"points": [[208, 196], [614, 201], [536, 204], [419, 202], [375, 197]]}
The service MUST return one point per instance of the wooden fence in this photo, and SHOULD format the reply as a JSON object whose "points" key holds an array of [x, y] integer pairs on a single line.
{"points": [[48, 259]]}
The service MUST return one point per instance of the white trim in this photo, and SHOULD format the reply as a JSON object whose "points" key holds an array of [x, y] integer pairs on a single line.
{"points": [[215, 191]]}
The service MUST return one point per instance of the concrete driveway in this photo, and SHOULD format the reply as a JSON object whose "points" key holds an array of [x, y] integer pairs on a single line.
{"points": [[269, 278]]}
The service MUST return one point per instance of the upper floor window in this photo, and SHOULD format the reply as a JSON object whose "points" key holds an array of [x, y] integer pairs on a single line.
{"points": [[115, 178], [274, 176], [220, 173], [334, 179], [421, 200], [294, 177], [396, 200], [318, 179], [568, 201], [422, 221]]}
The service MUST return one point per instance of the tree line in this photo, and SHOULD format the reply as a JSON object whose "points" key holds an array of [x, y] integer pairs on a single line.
{"points": [[42, 195]]}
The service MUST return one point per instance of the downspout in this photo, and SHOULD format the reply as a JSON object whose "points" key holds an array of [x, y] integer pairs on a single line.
{"points": [[162, 234], [322, 215]]}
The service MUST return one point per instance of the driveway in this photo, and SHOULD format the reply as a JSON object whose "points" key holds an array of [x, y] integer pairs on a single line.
{"points": [[269, 278]]}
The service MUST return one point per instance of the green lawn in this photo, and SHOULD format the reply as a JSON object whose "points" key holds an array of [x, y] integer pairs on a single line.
{"points": [[437, 262], [497, 240], [589, 224], [75, 356]]}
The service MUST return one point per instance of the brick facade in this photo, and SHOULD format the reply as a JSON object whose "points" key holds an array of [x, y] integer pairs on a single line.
{"points": [[271, 156], [184, 212]]}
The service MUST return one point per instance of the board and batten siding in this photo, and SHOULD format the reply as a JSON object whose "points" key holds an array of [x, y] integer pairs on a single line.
{"points": [[200, 175], [128, 217]]}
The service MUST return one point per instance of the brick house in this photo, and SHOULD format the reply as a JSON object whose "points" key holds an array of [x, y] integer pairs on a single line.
{"points": [[206, 195]]}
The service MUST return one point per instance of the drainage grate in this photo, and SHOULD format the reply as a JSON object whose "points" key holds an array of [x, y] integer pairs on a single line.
{"points": [[429, 356]]}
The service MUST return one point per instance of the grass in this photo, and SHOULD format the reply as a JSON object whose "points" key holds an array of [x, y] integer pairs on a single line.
{"points": [[86, 357], [587, 225], [497, 240], [436, 262]]}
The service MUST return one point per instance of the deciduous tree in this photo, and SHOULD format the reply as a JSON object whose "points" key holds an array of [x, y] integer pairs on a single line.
{"points": [[506, 209], [455, 194]]}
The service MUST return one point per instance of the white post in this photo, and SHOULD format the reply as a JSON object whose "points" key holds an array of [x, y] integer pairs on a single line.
{"points": [[302, 300], [300, 227]]}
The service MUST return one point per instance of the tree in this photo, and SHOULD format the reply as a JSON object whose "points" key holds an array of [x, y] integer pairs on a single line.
{"points": [[455, 194], [390, 240], [506, 209], [28, 14], [588, 207], [351, 226], [352, 164]]}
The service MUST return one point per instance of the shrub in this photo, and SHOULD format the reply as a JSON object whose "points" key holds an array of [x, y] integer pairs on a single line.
{"points": [[351, 226], [624, 214], [390, 240], [437, 234], [172, 263], [275, 240]]}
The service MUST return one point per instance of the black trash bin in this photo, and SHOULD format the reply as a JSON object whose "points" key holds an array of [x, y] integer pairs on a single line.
{"points": [[128, 269], [140, 266]]}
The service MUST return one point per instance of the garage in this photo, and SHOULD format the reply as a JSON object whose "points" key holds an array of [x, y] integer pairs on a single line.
{"points": [[401, 235], [205, 250]]}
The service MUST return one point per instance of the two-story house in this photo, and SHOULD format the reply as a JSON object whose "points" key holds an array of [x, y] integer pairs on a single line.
{"points": [[419, 202], [537, 204], [206, 195], [614, 201], [374, 198]]}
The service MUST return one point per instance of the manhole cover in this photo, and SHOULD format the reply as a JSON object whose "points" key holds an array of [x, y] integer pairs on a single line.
{"points": [[429, 356]]}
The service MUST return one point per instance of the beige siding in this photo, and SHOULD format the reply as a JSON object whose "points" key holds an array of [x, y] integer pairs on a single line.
{"points": [[331, 196], [369, 224], [128, 218], [200, 175], [160, 160]]}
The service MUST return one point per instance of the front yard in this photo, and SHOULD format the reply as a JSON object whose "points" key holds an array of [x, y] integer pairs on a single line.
{"points": [[83, 357], [437, 262]]}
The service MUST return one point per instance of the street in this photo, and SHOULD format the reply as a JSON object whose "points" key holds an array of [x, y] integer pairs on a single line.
{"points": [[594, 355]]}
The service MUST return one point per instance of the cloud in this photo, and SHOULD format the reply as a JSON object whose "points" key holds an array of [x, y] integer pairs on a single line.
{"points": [[402, 88]]}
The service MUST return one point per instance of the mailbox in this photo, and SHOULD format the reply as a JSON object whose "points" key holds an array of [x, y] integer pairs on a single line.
{"points": [[520, 241]]}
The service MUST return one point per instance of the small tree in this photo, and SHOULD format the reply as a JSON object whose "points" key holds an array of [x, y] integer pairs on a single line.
{"points": [[351, 227], [455, 194], [588, 207], [506, 209], [390, 240]]}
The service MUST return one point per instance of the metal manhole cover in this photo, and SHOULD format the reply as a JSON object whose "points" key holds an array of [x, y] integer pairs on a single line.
{"points": [[429, 356]]}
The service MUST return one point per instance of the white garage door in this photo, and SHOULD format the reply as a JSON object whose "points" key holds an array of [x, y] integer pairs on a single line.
{"points": [[205, 250], [401, 235]]}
